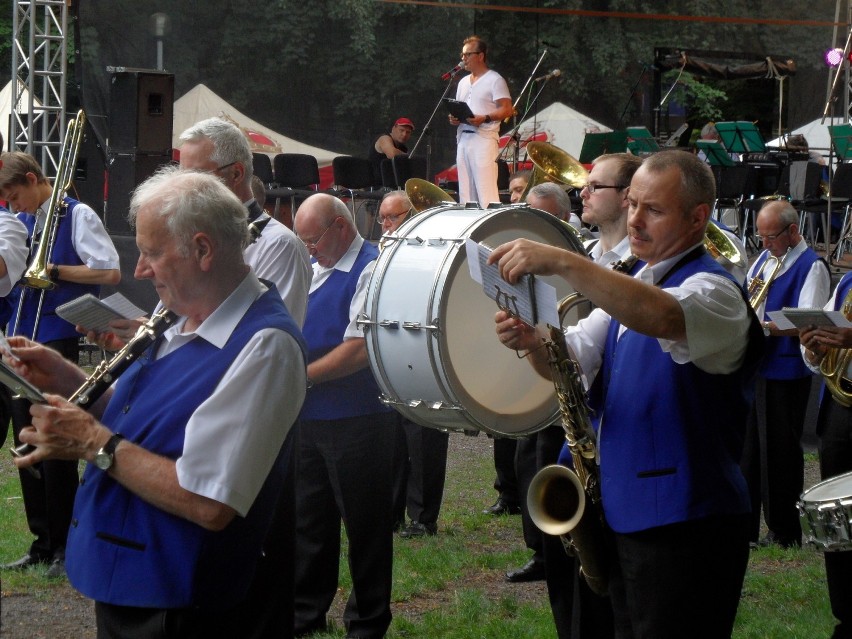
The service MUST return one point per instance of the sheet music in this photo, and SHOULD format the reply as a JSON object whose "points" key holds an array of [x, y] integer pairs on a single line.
{"points": [[788, 318], [531, 300], [94, 314]]}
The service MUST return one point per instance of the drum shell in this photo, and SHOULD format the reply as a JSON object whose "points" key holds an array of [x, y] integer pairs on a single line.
{"points": [[825, 511], [430, 327]]}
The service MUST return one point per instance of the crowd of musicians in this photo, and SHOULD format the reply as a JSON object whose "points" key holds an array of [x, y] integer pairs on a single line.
{"points": [[248, 427]]}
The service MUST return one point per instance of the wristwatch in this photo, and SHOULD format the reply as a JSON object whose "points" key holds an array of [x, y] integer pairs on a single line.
{"points": [[766, 328], [105, 457], [487, 118], [54, 272]]}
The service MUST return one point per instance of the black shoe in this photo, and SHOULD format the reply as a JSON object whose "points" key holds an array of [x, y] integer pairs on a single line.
{"points": [[502, 507], [56, 570], [25, 562], [417, 529], [531, 571]]}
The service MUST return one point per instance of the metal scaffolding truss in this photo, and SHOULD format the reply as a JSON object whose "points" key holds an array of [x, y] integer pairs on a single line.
{"points": [[39, 62]]}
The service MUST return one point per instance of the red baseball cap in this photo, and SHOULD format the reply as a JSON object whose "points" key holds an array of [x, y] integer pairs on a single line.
{"points": [[404, 122]]}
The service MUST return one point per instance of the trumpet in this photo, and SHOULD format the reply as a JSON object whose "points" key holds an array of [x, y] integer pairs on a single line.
{"points": [[758, 288], [36, 276]]}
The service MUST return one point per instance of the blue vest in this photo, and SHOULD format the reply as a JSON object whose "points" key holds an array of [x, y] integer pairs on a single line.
{"points": [[783, 359], [123, 551], [51, 327], [669, 448], [325, 322], [842, 291]]}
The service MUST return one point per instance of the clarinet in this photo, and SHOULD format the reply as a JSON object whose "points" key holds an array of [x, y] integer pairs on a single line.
{"points": [[108, 371]]}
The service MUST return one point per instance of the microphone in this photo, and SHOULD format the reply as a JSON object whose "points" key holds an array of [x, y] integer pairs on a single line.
{"points": [[553, 74], [452, 72]]}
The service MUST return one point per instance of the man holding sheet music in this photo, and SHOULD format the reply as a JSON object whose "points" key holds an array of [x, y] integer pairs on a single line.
{"points": [[486, 93], [82, 259], [784, 382], [659, 349]]}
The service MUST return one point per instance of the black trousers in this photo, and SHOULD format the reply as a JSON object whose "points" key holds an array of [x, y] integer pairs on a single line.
{"points": [[126, 622], [506, 483], [427, 471], [344, 475], [49, 501], [681, 580], [834, 427], [773, 460]]}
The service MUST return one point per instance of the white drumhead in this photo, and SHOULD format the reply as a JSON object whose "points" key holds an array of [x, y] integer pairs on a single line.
{"points": [[832, 489], [459, 376]]}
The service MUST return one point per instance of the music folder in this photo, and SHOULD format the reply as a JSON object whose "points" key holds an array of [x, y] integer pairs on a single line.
{"points": [[788, 318], [459, 110]]}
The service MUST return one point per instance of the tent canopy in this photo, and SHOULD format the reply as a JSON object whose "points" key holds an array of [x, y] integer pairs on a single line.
{"points": [[6, 107], [557, 124], [815, 133], [200, 103]]}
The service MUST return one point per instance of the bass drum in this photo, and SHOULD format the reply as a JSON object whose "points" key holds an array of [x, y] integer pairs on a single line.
{"points": [[825, 511], [430, 327]]}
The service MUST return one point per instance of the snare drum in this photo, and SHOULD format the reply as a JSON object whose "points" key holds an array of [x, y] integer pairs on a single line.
{"points": [[430, 331], [826, 512]]}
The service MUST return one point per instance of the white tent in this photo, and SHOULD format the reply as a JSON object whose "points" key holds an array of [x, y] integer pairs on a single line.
{"points": [[200, 103], [560, 125], [6, 107], [815, 133]]}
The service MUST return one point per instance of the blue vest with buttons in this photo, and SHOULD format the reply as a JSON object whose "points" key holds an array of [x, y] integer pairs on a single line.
{"points": [[325, 323], [123, 551], [52, 327], [670, 445]]}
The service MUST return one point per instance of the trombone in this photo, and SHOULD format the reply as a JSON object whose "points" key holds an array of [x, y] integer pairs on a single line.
{"points": [[36, 276]]}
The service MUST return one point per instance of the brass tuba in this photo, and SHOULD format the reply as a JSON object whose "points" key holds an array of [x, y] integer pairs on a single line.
{"points": [[36, 275], [835, 363], [424, 195], [758, 288], [721, 248], [552, 164]]}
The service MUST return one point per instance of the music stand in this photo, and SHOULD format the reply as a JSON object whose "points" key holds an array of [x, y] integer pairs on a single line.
{"points": [[598, 144], [715, 153], [641, 141], [741, 137], [841, 139]]}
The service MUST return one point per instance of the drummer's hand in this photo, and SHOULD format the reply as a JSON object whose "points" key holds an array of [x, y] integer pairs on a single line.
{"points": [[520, 257], [454, 120], [515, 334]]}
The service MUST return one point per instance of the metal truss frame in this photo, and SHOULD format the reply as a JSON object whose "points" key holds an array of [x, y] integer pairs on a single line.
{"points": [[40, 64]]}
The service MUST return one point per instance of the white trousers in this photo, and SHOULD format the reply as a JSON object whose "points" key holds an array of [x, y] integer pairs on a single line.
{"points": [[476, 162]]}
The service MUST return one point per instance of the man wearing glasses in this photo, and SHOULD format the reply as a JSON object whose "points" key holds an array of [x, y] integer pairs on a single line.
{"points": [[486, 93], [783, 383], [345, 435]]}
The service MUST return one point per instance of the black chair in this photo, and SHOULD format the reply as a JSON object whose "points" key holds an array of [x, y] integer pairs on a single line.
{"points": [[733, 185], [388, 176], [262, 167], [296, 177], [354, 176], [503, 178], [405, 168]]}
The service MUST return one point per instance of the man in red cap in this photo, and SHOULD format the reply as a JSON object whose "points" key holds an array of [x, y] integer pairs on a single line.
{"points": [[390, 144]]}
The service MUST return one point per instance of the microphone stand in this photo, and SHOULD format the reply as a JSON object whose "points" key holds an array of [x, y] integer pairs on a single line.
{"points": [[453, 75], [513, 134]]}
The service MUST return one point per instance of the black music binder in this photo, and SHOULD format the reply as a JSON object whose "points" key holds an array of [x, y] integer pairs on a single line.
{"points": [[458, 109]]}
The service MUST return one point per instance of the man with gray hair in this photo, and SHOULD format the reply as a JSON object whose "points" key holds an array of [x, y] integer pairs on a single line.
{"points": [[552, 198], [173, 507], [218, 147]]}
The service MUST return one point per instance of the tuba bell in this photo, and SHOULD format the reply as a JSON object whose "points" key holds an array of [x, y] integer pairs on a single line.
{"points": [[721, 248], [424, 195], [552, 164]]}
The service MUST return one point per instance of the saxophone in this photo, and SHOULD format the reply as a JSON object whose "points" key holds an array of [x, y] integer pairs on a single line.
{"points": [[835, 363], [108, 371]]}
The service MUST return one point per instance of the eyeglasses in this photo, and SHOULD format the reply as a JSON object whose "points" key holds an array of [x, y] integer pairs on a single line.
{"points": [[591, 188], [770, 238], [218, 168], [393, 216], [311, 246], [469, 53]]}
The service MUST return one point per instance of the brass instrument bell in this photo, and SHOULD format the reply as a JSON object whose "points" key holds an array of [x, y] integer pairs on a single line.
{"points": [[424, 195], [552, 164]]}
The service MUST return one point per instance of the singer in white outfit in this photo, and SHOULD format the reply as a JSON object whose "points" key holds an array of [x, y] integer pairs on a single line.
{"points": [[487, 94]]}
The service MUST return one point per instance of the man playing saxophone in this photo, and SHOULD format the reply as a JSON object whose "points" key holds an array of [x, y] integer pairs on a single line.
{"points": [[81, 260], [825, 349], [661, 348], [787, 273]]}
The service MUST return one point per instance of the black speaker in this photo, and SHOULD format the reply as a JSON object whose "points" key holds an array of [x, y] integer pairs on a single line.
{"points": [[124, 173], [141, 111], [89, 173]]}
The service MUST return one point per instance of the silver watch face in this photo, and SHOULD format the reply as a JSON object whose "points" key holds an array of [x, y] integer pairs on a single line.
{"points": [[103, 460]]}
